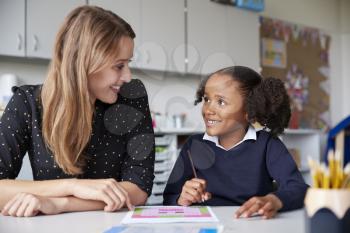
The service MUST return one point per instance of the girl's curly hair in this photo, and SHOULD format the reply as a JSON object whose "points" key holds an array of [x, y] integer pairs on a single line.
{"points": [[265, 99]]}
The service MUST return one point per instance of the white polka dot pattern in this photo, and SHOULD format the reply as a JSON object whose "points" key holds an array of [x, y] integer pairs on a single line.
{"points": [[126, 154]]}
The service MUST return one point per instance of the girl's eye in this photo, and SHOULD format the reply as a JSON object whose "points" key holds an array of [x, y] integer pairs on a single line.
{"points": [[205, 99], [221, 102]]}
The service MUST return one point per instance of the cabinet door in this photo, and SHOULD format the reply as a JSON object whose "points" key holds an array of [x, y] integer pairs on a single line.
{"points": [[207, 37], [12, 38], [243, 37], [130, 11], [163, 35], [44, 18]]}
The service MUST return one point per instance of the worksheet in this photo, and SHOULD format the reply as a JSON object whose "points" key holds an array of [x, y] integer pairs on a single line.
{"points": [[170, 214], [162, 229]]}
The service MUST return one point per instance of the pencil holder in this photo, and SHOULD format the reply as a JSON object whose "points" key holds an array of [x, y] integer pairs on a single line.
{"points": [[327, 210]]}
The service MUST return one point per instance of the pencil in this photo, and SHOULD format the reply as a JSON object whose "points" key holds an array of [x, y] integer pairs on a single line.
{"points": [[192, 165], [193, 168], [325, 177]]}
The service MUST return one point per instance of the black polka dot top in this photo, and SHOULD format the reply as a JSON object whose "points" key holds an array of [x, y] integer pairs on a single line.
{"points": [[121, 144]]}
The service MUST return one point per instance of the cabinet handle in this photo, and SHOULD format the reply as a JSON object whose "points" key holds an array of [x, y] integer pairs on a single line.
{"points": [[36, 43], [19, 41], [148, 59]]}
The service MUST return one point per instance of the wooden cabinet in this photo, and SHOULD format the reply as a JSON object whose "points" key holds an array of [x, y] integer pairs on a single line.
{"points": [[12, 28], [28, 28]]}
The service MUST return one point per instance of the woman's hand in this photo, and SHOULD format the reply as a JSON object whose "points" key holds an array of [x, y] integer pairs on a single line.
{"points": [[193, 191], [28, 205], [106, 190], [267, 206]]}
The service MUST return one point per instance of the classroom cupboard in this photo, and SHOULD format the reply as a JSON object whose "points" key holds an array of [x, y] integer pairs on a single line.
{"points": [[28, 27]]}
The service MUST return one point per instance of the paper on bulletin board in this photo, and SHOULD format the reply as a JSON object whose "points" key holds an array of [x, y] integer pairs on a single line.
{"points": [[170, 214], [274, 53]]}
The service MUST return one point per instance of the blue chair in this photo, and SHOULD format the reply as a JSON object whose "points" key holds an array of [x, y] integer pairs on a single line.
{"points": [[339, 136]]}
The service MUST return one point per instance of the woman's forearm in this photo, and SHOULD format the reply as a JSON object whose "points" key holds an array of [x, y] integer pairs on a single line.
{"points": [[137, 195], [62, 188], [74, 204], [46, 188]]}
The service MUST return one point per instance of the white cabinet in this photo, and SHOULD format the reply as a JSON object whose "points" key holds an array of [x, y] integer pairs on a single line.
{"points": [[12, 28], [206, 33], [243, 42], [217, 38], [165, 157], [130, 11], [28, 28], [168, 145], [160, 31], [163, 35], [44, 18]]}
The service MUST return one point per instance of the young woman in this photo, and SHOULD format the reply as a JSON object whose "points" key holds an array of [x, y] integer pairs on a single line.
{"points": [[235, 164], [82, 128]]}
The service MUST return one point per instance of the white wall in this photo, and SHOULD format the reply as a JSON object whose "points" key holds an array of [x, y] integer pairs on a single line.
{"points": [[345, 45], [322, 14]]}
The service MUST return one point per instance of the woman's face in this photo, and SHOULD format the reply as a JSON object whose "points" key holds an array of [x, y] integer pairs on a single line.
{"points": [[223, 109], [105, 84]]}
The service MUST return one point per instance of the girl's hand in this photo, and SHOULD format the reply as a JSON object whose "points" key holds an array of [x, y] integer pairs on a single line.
{"points": [[193, 192], [267, 206], [106, 190], [28, 205]]}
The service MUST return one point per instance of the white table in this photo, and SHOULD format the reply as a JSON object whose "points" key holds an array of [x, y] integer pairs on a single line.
{"points": [[99, 221]]}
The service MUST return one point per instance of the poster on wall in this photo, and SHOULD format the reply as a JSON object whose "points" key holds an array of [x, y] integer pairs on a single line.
{"points": [[273, 53], [298, 55]]}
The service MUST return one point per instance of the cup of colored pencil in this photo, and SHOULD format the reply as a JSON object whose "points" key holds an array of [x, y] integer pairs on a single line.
{"points": [[327, 202]]}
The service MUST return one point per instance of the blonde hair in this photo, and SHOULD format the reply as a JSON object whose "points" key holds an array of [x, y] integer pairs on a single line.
{"points": [[86, 43]]}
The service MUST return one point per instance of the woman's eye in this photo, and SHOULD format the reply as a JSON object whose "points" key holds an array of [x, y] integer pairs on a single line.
{"points": [[119, 67], [205, 99]]}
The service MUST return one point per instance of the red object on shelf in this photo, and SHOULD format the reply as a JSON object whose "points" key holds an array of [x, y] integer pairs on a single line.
{"points": [[294, 120]]}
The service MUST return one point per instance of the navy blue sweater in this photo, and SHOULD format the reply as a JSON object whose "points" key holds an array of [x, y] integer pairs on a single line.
{"points": [[236, 175]]}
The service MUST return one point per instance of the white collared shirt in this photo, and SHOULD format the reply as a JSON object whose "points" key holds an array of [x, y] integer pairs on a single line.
{"points": [[250, 135]]}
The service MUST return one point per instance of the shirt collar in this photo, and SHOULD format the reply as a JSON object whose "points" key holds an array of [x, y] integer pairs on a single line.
{"points": [[250, 135]]}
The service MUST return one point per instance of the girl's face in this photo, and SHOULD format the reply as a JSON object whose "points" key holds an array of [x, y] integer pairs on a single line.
{"points": [[223, 111], [105, 84]]}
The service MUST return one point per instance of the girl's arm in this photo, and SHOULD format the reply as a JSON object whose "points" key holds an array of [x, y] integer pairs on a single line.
{"points": [[180, 173], [291, 187]]}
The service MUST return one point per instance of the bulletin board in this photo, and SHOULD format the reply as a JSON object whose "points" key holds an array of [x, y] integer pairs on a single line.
{"points": [[299, 56]]}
